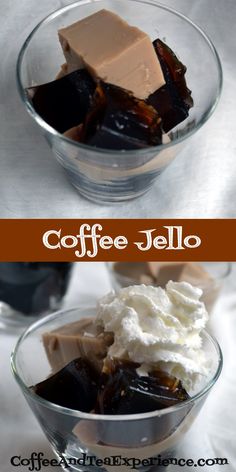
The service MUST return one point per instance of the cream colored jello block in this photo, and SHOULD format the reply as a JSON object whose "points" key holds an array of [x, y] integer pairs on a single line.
{"points": [[191, 272], [165, 271], [113, 51], [78, 339], [195, 274]]}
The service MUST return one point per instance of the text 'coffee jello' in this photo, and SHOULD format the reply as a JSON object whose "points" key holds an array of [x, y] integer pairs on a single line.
{"points": [[142, 352], [117, 90]]}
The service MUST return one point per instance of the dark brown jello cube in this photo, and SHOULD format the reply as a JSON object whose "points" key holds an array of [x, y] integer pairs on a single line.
{"points": [[74, 386], [174, 70], [125, 392], [173, 100], [117, 120], [64, 102]]}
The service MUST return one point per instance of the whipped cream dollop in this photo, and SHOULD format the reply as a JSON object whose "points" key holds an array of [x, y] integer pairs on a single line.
{"points": [[158, 328]]}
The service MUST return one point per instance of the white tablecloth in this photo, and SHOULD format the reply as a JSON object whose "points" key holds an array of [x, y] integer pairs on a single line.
{"points": [[213, 433], [199, 183]]}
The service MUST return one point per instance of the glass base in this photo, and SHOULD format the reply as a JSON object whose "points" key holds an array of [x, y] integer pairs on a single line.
{"points": [[94, 468], [112, 192], [72, 452]]}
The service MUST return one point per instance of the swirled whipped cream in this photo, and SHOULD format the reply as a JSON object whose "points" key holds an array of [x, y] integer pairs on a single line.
{"points": [[158, 328]]}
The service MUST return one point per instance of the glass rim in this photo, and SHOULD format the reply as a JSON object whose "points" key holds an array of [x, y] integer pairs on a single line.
{"points": [[98, 417], [116, 153], [130, 280]]}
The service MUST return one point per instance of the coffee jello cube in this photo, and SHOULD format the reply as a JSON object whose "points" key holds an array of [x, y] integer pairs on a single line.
{"points": [[118, 120], [64, 103], [190, 272], [162, 272], [172, 101], [75, 386], [127, 392], [74, 340], [112, 50]]}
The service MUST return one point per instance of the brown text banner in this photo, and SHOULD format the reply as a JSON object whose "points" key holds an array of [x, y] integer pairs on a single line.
{"points": [[114, 240]]}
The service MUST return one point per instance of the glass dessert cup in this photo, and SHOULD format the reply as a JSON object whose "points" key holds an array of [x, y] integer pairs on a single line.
{"points": [[74, 434], [31, 290], [111, 176], [211, 286]]}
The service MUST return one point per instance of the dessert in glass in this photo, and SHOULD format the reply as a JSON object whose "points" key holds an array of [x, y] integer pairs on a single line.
{"points": [[116, 106], [125, 380], [209, 276], [31, 289]]}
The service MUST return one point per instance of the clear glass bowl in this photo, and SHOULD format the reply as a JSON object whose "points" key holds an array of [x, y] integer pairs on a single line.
{"points": [[111, 176], [29, 290], [73, 434], [211, 285]]}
